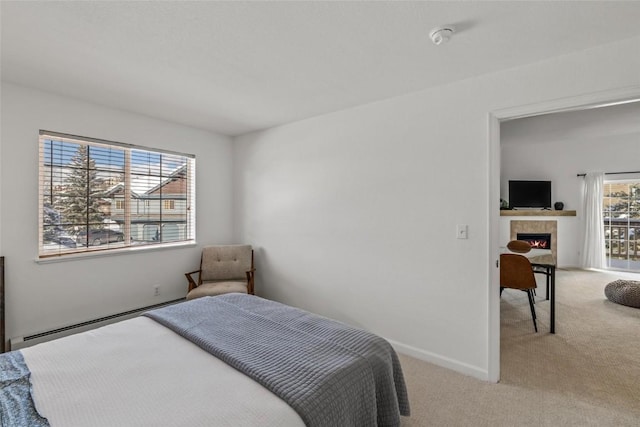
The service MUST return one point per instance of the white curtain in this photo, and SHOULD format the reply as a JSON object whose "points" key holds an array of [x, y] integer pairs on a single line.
{"points": [[593, 250]]}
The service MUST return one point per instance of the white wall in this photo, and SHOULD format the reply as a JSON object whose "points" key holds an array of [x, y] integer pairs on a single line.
{"points": [[44, 296], [1, 92], [354, 213], [560, 161]]}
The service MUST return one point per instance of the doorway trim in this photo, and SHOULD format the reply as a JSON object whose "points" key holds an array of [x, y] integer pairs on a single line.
{"points": [[574, 103]]}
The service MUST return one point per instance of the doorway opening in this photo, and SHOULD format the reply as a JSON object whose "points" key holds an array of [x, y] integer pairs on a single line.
{"points": [[579, 103]]}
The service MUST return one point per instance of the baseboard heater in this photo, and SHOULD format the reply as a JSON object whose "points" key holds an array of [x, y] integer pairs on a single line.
{"points": [[21, 342]]}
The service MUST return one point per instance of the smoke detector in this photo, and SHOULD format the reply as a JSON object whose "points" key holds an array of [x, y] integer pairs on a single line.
{"points": [[441, 35]]}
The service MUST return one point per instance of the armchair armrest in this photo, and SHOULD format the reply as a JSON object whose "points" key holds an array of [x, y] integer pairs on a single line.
{"points": [[192, 283], [250, 276]]}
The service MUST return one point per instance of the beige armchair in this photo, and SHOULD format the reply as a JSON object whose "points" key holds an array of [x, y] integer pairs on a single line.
{"points": [[223, 269]]}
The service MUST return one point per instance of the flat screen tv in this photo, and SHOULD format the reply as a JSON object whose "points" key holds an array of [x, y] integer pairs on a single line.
{"points": [[530, 194]]}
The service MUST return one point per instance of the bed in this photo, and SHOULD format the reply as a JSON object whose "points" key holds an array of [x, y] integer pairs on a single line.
{"points": [[230, 360]]}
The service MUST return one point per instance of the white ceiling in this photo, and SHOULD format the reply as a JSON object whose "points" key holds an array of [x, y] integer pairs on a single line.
{"points": [[236, 67], [584, 124]]}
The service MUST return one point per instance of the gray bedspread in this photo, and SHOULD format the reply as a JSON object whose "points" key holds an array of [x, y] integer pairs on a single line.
{"points": [[17, 408], [330, 373]]}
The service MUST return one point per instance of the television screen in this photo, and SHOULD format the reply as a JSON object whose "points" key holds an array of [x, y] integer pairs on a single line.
{"points": [[530, 194]]}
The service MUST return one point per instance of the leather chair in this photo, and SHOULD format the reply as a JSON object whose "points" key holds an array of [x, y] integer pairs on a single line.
{"points": [[516, 273], [519, 246], [522, 247], [223, 269]]}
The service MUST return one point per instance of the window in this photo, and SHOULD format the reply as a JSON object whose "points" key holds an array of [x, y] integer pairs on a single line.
{"points": [[102, 195], [621, 212]]}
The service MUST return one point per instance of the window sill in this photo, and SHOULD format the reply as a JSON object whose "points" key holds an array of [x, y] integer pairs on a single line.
{"points": [[113, 252]]}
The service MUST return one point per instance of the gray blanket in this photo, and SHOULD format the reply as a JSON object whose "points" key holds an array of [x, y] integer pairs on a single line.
{"points": [[16, 403], [330, 373]]}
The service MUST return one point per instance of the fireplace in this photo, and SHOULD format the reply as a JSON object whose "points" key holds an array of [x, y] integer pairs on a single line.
{"points": [[536, 228], [536, 240]]}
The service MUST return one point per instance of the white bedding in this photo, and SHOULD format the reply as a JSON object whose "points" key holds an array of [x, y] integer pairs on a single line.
{"points": [[139, 373]]}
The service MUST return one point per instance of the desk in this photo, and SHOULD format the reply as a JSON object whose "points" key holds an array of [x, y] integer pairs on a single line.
{"points": [[548, 263], [544, 259]]}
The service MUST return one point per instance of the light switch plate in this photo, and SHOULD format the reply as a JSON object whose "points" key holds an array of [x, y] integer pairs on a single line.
{"points": [[461, 231]]}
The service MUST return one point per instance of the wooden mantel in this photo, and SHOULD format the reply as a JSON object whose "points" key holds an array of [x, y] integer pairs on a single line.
{"points": [[524, 212]]}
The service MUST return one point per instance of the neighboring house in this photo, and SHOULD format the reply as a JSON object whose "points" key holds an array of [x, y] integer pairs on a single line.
{"points": [[158, 212]]}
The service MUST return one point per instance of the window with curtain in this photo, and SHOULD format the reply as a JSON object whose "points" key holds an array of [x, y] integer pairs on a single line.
{"points": [[98, 195], [621, 212]]}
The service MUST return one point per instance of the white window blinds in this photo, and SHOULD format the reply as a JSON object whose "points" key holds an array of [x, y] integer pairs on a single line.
{"points": [[98, 195]]}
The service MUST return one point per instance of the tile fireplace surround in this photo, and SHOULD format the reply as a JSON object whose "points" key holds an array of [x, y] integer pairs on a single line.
{"points": [[547, 227]]}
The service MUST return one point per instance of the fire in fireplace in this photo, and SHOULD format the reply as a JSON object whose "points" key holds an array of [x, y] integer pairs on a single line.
{"points": [[536, 240]]}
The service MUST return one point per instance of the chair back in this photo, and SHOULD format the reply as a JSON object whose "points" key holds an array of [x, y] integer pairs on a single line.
{"points": [[519, 246], [230, 262], [516, 272]]}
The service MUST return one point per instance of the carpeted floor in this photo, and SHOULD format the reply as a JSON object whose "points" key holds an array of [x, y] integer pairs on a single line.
{"points": [[587, 374]]}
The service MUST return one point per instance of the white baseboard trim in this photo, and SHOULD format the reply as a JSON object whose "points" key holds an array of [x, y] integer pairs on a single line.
{"points": [[439, 360]]}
